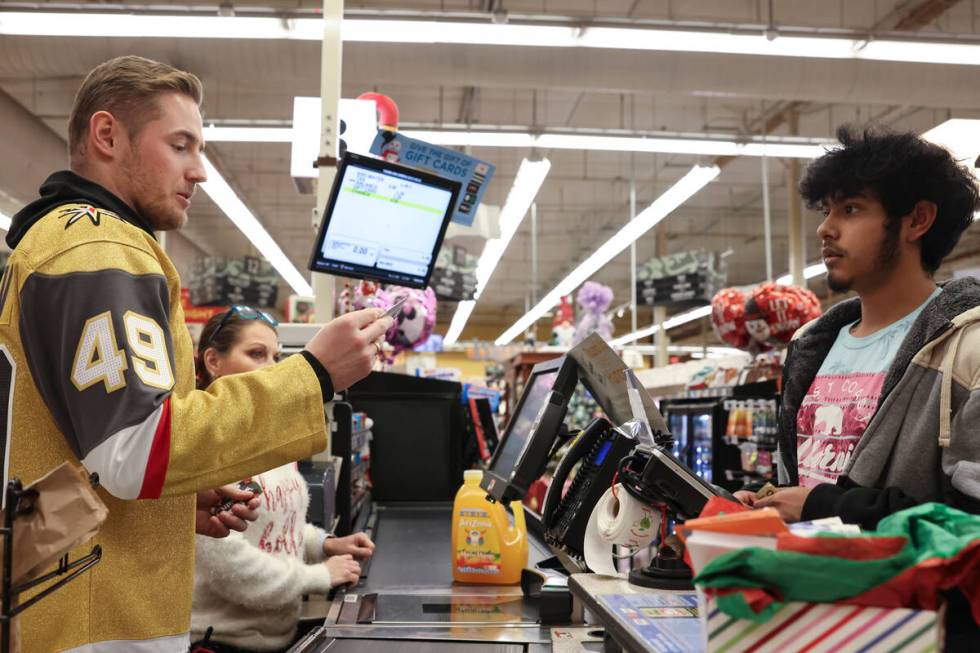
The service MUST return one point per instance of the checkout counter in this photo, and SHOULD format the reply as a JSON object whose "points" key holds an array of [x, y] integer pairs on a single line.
{"points": [[406, 600]]}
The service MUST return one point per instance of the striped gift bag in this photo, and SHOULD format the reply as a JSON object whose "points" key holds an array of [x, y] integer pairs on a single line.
{"points": [[823, 628]]}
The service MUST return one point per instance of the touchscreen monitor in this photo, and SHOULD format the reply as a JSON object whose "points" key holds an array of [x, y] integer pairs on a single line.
{"points": [[519, 429], [383, 222], [532, 430]]}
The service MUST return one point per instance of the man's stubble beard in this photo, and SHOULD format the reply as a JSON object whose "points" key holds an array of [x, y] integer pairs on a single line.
{"points": [[154, 210], [886, 260]]}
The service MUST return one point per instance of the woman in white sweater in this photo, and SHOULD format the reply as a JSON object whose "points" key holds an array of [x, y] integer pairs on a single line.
{"points": [[248, 587]]}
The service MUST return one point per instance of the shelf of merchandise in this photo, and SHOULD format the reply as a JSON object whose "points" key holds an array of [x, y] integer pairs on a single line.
{"points": [[350, 442]]}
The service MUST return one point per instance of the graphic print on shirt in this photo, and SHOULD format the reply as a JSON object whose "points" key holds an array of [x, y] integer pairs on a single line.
{"points": [[282, 502], [830, 422]]}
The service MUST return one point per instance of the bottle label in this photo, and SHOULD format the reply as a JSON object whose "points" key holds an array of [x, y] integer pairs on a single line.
{"points": [[477, 544]]}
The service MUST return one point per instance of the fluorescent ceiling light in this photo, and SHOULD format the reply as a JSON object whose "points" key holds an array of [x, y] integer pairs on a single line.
{"points": [[214, 134], [961, 137], [651, 143], [527, 183], [463, 311], [920, 52], [4, 222], [809, 272], [676, 321], [712, 350], [482, 32], [696, 179], [658, 39], [232, 206], [26, 23], [560, 141], [484, 138]]}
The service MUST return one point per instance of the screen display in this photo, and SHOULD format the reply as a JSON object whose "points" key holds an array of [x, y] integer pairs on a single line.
{"points": [[519, 428], [385, 223]]}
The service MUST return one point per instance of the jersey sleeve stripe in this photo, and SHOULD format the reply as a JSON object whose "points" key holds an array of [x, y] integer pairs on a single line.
{"points": [[121, 460], [156, 464]]}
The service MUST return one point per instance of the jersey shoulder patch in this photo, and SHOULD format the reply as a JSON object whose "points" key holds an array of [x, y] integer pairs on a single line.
{"points": [[72, 214], [73, 224]]}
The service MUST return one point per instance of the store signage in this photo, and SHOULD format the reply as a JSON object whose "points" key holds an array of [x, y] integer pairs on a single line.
{"points": [[454, 276], [681, 280], [221, 281], [473, 174]]}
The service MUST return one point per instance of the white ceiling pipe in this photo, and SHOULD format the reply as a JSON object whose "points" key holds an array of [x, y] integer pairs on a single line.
{"points": [[515, 32]]}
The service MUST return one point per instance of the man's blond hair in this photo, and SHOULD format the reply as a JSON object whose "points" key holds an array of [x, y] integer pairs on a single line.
{"points": [[127, 87]]}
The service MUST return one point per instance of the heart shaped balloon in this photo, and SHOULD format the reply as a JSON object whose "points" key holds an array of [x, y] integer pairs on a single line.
{"points": [[728, 317], [773, 312]]}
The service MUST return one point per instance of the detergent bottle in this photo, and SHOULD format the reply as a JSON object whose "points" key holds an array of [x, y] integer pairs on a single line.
{"points": [[486, 547]]}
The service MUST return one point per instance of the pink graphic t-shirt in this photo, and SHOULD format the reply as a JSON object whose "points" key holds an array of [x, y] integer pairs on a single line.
{"points": [[843, 397]]}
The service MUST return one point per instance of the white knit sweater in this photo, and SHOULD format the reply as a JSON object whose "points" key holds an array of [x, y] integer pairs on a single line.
{"points": [[249, 586]]}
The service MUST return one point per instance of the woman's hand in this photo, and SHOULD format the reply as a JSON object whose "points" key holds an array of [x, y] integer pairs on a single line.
{"points": [[358, 545], [343, 569]]}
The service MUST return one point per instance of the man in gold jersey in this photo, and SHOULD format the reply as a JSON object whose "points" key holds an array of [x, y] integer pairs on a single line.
{"points": [[98, 363]]}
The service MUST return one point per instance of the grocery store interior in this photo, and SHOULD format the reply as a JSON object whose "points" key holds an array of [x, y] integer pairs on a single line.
{"points": [[608, 260]]}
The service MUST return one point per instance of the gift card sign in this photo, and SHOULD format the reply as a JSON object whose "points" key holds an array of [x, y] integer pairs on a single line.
{"points": [[472, 174]]}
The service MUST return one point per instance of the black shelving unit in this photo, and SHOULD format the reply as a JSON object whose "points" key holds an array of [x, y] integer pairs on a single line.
{"points": [[340, 446], [348, 441], [20, 502]]}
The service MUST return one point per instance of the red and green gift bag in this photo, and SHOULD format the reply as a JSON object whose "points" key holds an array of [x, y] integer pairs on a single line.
{"points": [[913, 556]]}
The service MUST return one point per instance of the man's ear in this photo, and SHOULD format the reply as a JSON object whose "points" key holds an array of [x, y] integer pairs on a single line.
{"points": [[105, 134], [922, 217]]}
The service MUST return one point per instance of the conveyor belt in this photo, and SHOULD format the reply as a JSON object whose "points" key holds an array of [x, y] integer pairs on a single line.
{"points": [[413, 546]]}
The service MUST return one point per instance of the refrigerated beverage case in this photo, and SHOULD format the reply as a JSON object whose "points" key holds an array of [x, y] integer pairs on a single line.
{"points": [[487, 548]]}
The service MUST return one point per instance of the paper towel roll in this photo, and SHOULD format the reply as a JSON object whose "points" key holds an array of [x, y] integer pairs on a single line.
{"points": [[624, 521]]}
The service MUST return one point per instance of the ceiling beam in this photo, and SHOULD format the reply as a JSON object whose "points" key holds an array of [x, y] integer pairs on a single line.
{"points": [[924, 14]]}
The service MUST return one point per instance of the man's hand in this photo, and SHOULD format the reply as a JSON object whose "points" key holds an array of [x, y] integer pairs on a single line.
{"points": [[224, 522], [358, 545], [343, 569], [788, 501], [746, 498], [345, 346]]}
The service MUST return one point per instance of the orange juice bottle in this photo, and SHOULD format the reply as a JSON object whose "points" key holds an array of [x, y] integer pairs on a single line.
{"points": [[486, 547]]}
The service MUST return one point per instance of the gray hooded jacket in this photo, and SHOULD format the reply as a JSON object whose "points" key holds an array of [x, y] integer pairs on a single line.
{"points": [[923, 442]]}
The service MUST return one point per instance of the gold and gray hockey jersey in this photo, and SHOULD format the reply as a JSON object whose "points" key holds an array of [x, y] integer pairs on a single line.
{"points": [[96, 366]]}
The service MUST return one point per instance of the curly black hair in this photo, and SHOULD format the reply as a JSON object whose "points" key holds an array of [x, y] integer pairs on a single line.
{"points": [[899, 169]]}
